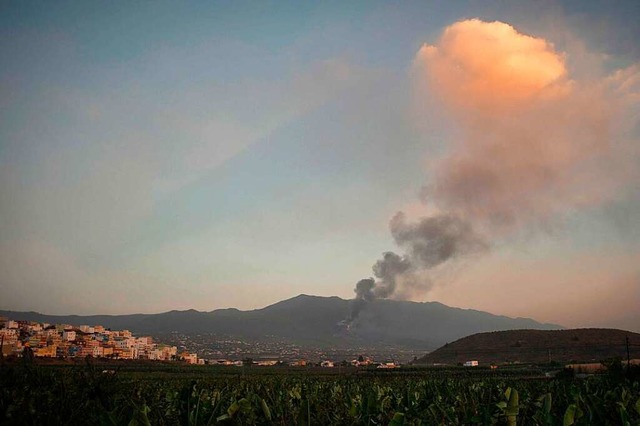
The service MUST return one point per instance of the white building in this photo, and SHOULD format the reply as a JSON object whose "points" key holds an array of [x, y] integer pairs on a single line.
{"points": [[146, 340], [87, 329], [69, 335], [34, 327], [387, 365], [124, 343]]}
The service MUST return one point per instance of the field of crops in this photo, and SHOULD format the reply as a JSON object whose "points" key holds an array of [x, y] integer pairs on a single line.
{"points": [[90, 394]]}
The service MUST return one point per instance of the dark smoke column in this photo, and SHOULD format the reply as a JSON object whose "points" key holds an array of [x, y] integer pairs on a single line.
{"points": [[427, 243]]}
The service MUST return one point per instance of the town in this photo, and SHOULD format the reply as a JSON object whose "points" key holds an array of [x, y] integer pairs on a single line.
{"points": [[28, 338], [62, 341]]}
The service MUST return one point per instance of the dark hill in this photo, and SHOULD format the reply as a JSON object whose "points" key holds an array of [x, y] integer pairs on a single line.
{"points": [[583, 345], [315, 320]]}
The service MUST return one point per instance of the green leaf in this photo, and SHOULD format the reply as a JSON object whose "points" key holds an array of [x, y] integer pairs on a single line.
{"points": [[245, 405], [547, 403], [624, 416], [233, 409], [543, 415], [512, 406], [570, 415], [397, 420], [140, 417], [304, 418], [223, 417], [371, 403], [295, 393], [265, 409]]}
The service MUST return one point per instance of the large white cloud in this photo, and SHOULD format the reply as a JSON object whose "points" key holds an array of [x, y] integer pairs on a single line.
{"points": [[534, 143]]}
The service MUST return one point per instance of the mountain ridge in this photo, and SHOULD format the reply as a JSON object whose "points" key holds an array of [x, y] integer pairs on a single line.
{"points": [[317, 320]]}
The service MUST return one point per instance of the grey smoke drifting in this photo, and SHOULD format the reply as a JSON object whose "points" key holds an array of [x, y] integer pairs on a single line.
{"points": [[436, 239], [426, 244], [533, 145], [386, 270]]}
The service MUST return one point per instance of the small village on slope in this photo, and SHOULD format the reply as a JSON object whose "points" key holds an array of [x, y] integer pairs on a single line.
{"points": [[44, 340], [65, 341]]}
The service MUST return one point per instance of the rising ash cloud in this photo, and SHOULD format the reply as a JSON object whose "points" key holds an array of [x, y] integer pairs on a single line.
{"points": [[426, 244], [535, 145]]}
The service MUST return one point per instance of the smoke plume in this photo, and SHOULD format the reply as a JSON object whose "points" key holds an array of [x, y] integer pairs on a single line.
{"points": [[427, 244], [535, 145]]}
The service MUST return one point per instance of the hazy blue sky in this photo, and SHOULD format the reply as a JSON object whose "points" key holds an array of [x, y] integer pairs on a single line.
{"points": [[163, 155]]}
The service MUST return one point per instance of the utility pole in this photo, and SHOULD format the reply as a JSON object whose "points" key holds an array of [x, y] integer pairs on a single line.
{"points": [[628, 357]]}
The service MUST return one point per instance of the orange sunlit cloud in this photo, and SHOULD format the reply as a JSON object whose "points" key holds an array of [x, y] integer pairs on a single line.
{"points": [[535, 143], [490, 65]]}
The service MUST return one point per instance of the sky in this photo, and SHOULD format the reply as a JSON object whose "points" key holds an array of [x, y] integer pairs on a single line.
{"points": [[159, 156]]}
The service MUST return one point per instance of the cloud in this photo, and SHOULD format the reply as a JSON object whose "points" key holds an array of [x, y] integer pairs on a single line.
{"points": [[531, 146], [534, 143], [489, 65]]}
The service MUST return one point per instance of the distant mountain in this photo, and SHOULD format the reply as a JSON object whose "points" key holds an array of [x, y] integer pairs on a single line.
{"points": [[585, 345], [316, 321]]}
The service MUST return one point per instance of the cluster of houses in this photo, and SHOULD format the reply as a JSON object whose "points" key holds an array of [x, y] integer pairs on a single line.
{"points": [[66, 341], [367, 362], [360, 362], [20, 338]]}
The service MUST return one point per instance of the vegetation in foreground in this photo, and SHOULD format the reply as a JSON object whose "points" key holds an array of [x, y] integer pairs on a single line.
{"points": [[90, 394]]}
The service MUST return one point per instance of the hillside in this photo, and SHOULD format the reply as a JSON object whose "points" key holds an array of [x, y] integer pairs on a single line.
{"points": [[315, 320], [588, 344]]}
